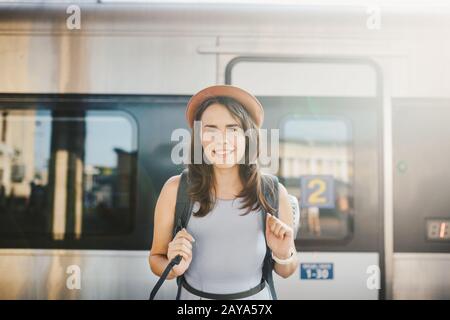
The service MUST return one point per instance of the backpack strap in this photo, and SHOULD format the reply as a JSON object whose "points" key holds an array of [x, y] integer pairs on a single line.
{"points": [[183, 207], [183, 211], [270, 190]]}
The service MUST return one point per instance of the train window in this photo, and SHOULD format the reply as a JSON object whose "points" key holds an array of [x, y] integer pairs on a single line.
{"points": [[316, 166], [67, 174]]}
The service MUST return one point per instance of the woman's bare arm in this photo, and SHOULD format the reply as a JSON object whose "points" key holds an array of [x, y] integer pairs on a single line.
{"points": [[285, 215], [163, 226]]}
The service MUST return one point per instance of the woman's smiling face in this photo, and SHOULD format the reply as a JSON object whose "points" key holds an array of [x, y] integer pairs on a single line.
{"points": [[223, 138]]}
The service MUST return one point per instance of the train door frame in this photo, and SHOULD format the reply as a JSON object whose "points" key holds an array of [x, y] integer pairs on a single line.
{"points": [[379, 98]]}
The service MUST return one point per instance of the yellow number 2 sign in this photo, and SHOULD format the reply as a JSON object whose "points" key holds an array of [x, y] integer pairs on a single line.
{"points": [[317, 191]]}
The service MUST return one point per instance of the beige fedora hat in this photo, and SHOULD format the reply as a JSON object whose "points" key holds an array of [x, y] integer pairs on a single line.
{"points": [[245, 98]]}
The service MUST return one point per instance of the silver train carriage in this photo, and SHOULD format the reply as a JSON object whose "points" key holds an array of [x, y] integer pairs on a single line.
{"points": [[88, 111]]}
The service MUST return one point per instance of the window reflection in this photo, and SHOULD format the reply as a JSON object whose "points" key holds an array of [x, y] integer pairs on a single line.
{"points": [[316, 166], [66, 174]]}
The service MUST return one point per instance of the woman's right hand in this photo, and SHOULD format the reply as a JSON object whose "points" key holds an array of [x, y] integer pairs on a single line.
{"points": [[181, 245]]}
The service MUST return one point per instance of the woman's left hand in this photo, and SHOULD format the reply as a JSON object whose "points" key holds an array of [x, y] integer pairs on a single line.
{"points": [[279, 237]]}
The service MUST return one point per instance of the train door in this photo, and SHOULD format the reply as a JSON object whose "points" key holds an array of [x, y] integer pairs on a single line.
{"points": [[421, 180], [330, 159]]}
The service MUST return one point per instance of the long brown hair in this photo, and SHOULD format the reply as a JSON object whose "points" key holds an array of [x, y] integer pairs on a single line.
{"points": [[201, 176]]}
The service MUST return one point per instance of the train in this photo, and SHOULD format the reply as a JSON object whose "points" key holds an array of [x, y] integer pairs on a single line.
{"points": [[91, 92]]}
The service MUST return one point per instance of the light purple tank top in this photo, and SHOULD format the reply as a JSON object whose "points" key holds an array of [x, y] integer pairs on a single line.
{"points": [[228, 252]]}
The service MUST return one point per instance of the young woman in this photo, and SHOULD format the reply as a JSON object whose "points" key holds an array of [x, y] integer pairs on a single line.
{"points": [[223, 246]]}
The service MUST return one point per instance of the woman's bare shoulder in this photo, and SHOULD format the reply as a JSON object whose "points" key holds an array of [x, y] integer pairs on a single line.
{"points": [[282, 190], [170, 187]]}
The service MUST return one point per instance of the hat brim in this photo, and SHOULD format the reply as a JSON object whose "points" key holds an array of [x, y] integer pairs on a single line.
{"points": [[248, 101]]}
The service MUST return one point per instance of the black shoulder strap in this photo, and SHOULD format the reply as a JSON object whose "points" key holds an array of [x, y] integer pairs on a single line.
{"points": [[183, 211], [183, 207], [270, 190]]}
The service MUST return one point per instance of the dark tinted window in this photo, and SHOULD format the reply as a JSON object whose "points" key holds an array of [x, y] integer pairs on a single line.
{"points": [[67, 174]]}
